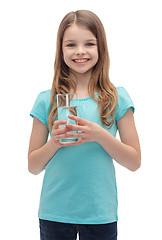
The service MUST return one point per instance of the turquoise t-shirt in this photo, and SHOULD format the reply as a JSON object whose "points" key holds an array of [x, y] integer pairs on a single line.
{"points": [[79, 184]]}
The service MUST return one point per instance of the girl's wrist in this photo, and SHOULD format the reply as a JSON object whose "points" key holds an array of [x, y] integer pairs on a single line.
{"points": [[54, 145], [101, 134]]}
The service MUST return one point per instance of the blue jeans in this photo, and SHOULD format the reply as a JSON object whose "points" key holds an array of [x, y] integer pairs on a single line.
{"points": [[50, 230]]}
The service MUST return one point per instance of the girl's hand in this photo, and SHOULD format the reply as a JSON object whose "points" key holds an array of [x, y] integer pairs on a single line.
{"points": [[59, 132], [90, 131]]}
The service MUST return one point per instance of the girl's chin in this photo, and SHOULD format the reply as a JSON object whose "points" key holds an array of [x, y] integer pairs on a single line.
{"points": [[80, 72]]}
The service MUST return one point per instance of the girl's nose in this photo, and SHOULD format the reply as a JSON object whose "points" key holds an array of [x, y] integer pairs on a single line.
{"points": [[80, 51]]}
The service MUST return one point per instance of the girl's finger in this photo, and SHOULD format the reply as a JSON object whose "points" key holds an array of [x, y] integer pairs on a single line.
{"points": [[58, 122], [61, 136], [75, 135], [79, 120], [60, 130], [72, 127]]}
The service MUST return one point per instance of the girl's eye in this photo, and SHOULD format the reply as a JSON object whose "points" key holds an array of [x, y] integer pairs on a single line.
{"points": [[71, 45], [90, 44]]}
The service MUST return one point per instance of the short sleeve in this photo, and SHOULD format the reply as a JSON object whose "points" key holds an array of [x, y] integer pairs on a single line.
{"points": [[124, 103], [41, 107]]}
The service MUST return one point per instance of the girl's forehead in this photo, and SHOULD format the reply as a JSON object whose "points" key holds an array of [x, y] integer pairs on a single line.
{"points": [[76, 32]]}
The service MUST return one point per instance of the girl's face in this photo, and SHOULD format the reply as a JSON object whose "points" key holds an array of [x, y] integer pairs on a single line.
{"points": [[80, 50]]}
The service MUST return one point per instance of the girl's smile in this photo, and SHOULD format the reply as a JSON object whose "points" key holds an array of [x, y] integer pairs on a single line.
{"points": [[80, 49], [81, 60]]}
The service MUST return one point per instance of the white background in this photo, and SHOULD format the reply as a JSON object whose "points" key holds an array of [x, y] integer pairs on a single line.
{"points": [[27, 50]]}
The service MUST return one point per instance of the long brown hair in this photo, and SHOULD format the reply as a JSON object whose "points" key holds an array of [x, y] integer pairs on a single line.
{"points": [[100, 82]]}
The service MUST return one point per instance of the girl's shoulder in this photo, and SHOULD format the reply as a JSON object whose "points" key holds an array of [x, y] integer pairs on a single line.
{"points": [[122, 93], [124, 102], [45, 94], [121, 90], [41, 106]]}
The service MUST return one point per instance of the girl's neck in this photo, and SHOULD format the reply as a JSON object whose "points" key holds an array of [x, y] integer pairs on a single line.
{"points": [[81, 92], [82, 81]]}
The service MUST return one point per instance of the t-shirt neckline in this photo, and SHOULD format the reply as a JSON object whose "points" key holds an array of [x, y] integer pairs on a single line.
{"points": [[87, 98]]}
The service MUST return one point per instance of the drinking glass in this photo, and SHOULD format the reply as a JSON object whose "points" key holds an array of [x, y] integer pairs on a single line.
{"points": [[67, 105]]}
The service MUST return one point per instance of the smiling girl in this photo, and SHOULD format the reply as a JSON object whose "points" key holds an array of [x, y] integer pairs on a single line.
{"points": [[79, 192]]}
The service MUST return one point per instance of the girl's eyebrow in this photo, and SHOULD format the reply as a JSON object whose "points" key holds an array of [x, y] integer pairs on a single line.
{"points": [[91, 40], [70, 41], [88, 40]]}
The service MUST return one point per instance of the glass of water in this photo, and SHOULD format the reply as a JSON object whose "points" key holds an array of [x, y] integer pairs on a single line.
{"points": [[67, 105]]}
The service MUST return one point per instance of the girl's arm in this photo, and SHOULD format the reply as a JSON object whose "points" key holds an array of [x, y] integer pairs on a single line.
{"points": [[126, 152], [40, 151]]}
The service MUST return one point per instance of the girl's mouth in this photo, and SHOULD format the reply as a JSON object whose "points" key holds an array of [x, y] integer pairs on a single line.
{"points": [[83, 60]]}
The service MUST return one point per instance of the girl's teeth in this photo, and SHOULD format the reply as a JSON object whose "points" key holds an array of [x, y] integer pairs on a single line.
{"points": [[81, 60]]}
